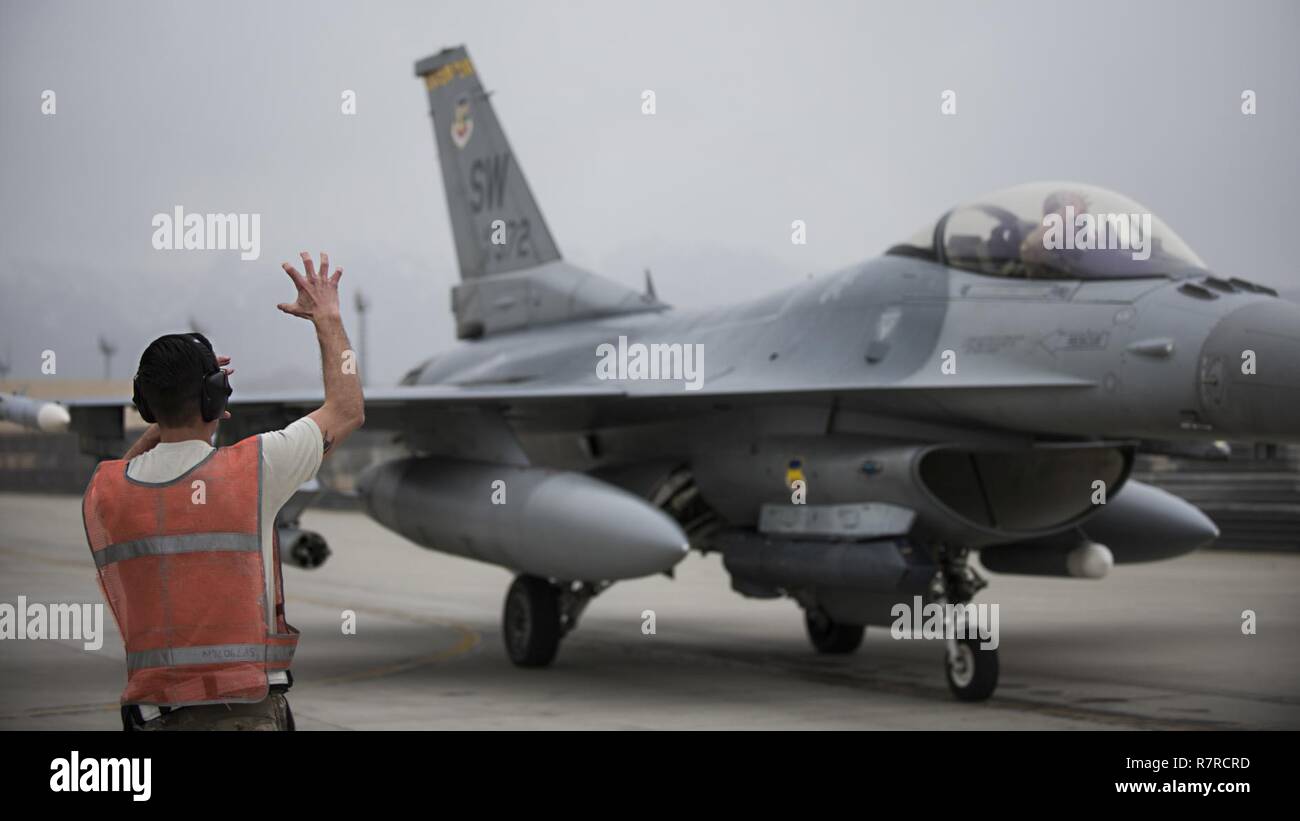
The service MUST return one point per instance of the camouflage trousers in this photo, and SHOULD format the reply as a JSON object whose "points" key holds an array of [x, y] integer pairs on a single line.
{"points": [[271, 714]]}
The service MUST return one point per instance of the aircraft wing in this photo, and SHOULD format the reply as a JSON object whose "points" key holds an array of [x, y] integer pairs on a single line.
{"points": [[498, 394], [383, 401], [100, 422]]}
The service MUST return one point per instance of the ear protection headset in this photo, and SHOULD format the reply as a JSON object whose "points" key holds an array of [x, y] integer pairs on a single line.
{"points": [[214, 392]]}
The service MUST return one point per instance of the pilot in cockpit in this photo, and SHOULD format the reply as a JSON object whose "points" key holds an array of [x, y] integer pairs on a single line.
{"points": [[1037, 259]]}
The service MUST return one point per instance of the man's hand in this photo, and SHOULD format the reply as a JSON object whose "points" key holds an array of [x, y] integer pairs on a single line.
{"points": [[148, 441], [318, 293]]}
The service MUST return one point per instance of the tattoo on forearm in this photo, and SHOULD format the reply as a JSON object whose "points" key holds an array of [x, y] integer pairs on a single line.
{"points": [[328, 442]]}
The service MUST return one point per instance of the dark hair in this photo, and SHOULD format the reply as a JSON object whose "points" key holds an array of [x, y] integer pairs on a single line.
{"points": [[171, 374]]}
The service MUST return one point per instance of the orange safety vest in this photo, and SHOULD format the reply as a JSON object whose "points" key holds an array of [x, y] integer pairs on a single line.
{"points": [[186, 581]]}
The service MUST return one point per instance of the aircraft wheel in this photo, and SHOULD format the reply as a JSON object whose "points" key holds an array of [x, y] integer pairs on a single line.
{"points": [[828, 636], [530, 622], [972, 673]]}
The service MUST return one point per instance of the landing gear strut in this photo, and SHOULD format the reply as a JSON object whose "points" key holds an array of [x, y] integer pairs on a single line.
{"points": [[538, 613], [972, 672]]}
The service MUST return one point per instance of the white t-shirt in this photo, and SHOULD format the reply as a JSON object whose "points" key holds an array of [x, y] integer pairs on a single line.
{"points": [[289, 457]]}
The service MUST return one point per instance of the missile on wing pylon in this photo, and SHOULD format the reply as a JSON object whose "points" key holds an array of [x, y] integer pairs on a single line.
{"points": [[37, 414]]}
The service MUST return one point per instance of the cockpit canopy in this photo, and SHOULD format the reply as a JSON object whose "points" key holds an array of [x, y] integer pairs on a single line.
{"points": [[1055, 230]]}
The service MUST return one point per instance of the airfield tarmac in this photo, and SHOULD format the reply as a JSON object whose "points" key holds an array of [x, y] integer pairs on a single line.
{"points": [[1156, 646]]}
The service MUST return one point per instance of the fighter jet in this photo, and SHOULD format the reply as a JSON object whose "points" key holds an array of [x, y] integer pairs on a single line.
{"points": [[850, 442]]}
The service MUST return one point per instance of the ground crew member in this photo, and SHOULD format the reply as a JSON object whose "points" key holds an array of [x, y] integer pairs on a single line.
{"points": [[183, 534]]}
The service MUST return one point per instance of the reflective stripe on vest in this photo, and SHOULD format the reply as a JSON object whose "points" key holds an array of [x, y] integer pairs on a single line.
{"points": [[171, 545], [211, 654]]}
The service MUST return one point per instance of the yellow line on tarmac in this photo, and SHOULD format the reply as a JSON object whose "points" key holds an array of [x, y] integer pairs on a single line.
{"points": [[469, 639]]}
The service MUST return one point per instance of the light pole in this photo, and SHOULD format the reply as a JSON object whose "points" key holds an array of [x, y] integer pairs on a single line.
{"points": [[362, 305], [107, 349]]}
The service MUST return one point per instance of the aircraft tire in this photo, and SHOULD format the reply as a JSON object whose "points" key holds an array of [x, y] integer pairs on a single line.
{"points": [[530, 621], [832, 637], [975, 675]]}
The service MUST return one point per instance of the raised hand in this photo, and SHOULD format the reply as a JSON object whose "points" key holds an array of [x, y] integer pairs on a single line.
{"points": [[318, 293]]}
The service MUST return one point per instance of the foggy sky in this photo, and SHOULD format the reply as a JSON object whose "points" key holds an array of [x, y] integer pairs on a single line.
{"points": [[767, 112]]}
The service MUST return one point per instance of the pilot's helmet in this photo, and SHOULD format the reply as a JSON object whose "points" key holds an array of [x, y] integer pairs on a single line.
{"points": [[1057, 201]]}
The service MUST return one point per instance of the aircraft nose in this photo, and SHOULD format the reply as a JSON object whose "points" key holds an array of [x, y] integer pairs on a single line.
{"points": [[1250, 371]]}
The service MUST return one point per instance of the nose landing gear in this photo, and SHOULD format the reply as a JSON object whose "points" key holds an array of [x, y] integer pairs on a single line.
{"points": [[971, 670]]}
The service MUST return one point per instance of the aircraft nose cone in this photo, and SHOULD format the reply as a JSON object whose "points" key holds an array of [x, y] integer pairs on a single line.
{"points": [[1250, 371]]}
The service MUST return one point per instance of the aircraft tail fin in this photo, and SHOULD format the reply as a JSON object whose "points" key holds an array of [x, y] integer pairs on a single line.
{"points": [[495, 221], [512, 275]]}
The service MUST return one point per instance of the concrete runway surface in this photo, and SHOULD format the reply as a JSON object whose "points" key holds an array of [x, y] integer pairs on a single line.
{"points": [[1156, 646]]}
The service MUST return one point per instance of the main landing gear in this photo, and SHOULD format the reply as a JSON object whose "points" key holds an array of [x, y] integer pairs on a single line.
{"points": [[538, 613]]}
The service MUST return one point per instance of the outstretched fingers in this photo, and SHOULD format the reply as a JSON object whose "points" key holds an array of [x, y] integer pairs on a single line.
{"points": [[310, 265], [298, 281]]}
